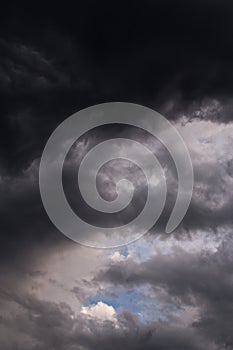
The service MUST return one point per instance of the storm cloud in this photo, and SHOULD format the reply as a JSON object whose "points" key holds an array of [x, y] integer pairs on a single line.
{"points": [[164, 291]]}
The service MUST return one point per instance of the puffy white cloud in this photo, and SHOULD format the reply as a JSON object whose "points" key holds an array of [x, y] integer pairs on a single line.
{"points": [[100, 311]]}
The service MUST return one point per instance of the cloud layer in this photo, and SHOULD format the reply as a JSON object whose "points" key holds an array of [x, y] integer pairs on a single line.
{"points": [[163, 292]]}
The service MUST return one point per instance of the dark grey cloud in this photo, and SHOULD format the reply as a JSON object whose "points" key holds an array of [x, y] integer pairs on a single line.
{"points": [[47, 325], [210, 146], [26, 231], [173, 56], [55, 62], [200, 280]]}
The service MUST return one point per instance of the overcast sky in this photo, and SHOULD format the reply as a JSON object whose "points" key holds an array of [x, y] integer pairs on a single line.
{"points": [[162, 292]]}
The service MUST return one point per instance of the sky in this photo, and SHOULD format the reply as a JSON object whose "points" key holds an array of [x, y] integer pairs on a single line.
{"points": [[163, 291]]}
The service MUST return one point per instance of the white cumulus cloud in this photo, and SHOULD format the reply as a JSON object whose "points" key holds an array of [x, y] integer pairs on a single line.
{"points": [[100, 311]]}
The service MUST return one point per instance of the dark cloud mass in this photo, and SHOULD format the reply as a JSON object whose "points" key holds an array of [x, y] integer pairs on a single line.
{"points": [[163, 292]]}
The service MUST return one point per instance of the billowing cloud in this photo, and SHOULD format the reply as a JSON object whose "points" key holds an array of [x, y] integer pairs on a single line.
{"points": [[100, 311], [162, 292]]}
